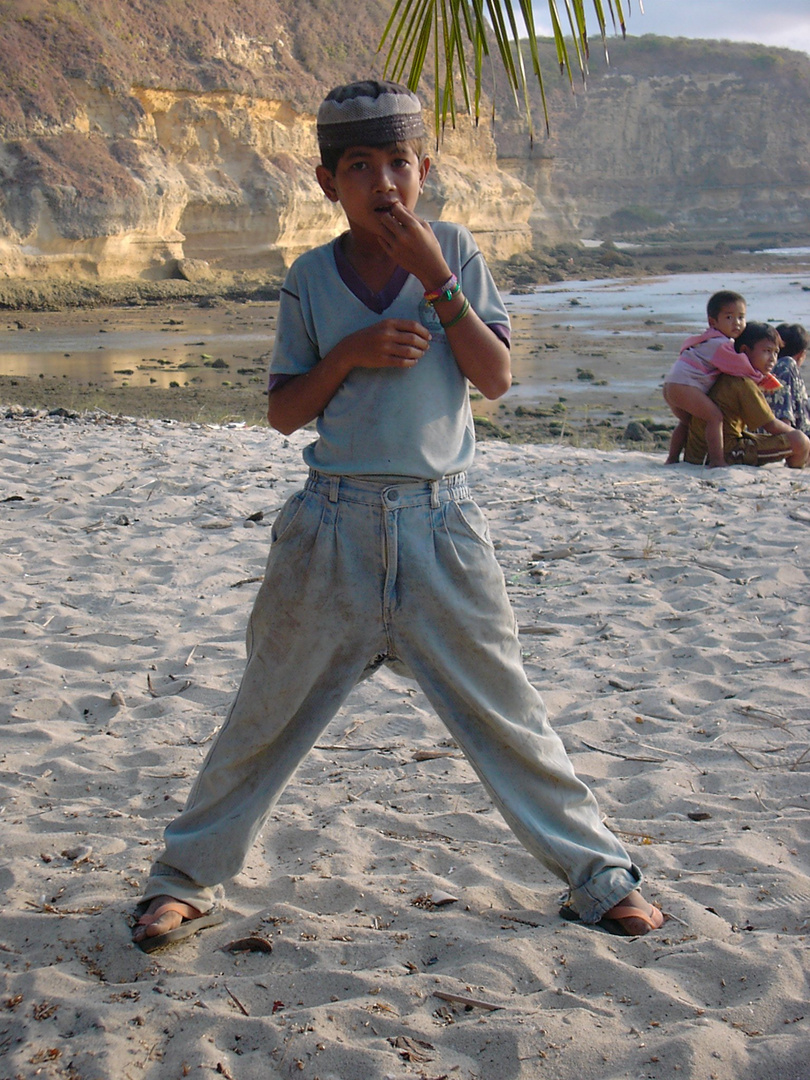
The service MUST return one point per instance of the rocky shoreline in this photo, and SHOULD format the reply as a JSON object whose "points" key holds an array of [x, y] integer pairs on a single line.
{"points": [[25, 398], [210, 409], [650, 257], [64, 295]]}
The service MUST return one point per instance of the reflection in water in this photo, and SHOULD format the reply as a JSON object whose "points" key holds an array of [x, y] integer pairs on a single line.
{"points": [[141, 347]]}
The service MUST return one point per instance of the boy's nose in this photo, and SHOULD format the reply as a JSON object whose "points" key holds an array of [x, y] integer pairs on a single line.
{"points": [[383, 181]]}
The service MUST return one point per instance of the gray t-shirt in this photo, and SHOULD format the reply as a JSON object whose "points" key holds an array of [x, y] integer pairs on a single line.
{"points": [[413, 422]]}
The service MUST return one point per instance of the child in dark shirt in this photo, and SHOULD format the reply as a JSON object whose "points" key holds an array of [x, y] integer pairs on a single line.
{"points": [[791, 402]]}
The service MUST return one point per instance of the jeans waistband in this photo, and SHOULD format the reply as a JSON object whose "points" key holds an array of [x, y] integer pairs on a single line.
{"points": [[391, 493]]}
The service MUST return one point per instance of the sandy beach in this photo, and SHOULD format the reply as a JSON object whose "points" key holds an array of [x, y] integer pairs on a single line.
{"points": [[664, 615]]}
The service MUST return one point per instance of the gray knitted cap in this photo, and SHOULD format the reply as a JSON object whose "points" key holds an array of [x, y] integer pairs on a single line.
{"points": [[369, 113]]}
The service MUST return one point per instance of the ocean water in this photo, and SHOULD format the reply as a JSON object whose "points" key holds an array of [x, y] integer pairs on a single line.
{"points": [[788, 252], [626, 333], [678, 300]]}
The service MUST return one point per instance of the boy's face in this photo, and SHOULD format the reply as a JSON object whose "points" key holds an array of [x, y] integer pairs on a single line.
{"points": [[763, 355], [368, 181], [730, 320]]}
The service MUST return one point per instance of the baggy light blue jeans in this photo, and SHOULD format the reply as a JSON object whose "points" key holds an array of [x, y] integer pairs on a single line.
{"points": [[361, 573]]}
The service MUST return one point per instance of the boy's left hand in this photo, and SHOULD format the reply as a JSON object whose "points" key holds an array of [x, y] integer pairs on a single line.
{"points": [[411, 242]]}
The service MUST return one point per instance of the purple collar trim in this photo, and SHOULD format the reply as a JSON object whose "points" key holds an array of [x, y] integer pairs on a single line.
{"points": [[376, 302]]}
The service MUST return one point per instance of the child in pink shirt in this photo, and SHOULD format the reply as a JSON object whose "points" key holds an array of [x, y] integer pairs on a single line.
{"points": [[701, 360]]}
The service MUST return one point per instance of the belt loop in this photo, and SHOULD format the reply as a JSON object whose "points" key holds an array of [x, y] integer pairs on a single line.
{"points": [[334, 488], [434, 494]]}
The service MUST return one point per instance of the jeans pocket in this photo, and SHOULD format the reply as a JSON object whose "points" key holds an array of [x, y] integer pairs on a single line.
{"points": [[287, 516], [470, 517]]}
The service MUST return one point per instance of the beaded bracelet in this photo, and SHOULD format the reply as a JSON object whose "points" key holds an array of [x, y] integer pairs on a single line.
{"points": [[465, 307], [446, 292]]}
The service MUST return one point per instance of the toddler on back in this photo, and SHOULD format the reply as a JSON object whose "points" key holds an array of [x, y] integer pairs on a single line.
{"points": [[693, 374]]}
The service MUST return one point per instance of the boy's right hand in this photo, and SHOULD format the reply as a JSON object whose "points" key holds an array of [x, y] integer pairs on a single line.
{"points": [[390, 343], [387, 343]]}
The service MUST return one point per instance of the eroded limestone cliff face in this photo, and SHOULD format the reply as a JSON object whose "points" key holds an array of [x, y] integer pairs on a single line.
{"points": [[137, 138], [710, 138], [211, 175], [131, 178]]}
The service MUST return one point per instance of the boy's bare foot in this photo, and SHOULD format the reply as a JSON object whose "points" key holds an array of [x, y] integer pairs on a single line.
{"points": [[166, 920], [635, 916], [632, 917], [163, 914]]}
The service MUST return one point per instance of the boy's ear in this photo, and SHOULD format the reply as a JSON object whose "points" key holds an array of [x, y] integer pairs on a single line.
{"points": [[424, 169], [327, 181]]}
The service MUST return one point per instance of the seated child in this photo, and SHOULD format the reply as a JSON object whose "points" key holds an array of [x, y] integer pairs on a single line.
{"points": [[691, 377], [384, 557], [745, 409], [791, 403]]}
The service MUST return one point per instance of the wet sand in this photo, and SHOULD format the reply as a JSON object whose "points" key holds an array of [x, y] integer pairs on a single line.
{"points": [[182, 362], [589, 357]]}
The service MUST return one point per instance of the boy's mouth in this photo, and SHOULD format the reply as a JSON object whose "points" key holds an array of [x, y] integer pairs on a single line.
{"points": [[386, 208]]}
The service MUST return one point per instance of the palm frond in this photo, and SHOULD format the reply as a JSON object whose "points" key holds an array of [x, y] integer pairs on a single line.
{"points": [[461, 32]]}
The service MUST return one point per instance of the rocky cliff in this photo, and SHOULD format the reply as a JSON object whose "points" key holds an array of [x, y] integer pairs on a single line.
{"points": [[139, 138], [703, 138]]}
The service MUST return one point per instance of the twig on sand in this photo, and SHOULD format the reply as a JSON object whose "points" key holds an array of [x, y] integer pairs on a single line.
{"points": [[624, 757], [792, 766], [468, 1002], [246, 581], [235, 999], [676, 753], [364, 748], [799, 760], [675, 918], [755, 713], [739, 753]]}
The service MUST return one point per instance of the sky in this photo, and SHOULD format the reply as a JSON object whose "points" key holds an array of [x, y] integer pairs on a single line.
{"points": [[783, 23]]}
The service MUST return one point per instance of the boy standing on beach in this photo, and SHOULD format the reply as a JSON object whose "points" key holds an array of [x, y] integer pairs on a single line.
{"points": [[384, 557]]}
